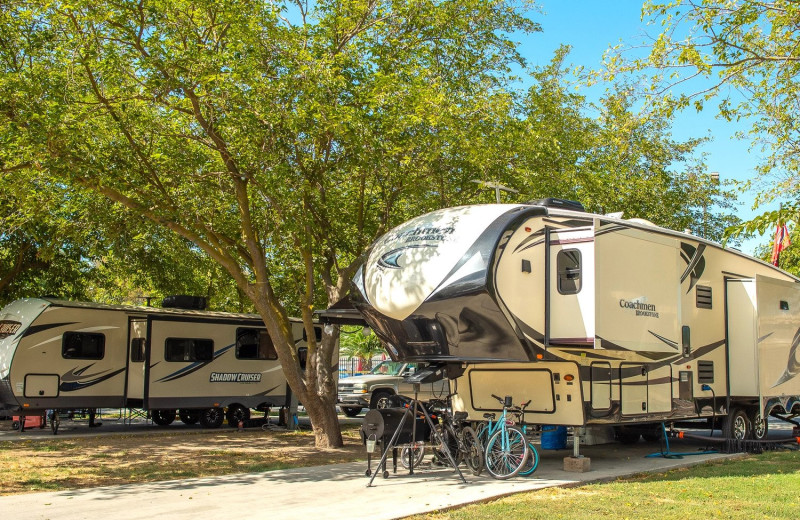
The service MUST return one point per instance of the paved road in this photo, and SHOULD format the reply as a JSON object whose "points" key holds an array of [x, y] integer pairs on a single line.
{"points": [[337, 492]]}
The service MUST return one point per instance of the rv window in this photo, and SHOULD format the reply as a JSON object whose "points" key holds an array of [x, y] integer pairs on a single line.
{"points": [[188, 349], [137, 350], [568, 265], [254, 344], [83, 345], [317, 334]]}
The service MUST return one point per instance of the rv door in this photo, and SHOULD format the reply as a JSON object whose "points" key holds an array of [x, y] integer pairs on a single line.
{"points": [[137, 355], [570, 313]]}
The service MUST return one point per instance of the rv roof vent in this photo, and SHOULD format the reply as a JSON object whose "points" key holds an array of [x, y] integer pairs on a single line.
{"points": [[181, 301], [551, 202], [642, 221]]}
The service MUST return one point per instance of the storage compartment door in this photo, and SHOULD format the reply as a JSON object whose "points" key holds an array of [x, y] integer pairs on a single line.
{"points": [[41, 385]]}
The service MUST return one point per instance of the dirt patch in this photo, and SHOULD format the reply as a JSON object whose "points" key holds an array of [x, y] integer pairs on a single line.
{"points": [[56, 464]]}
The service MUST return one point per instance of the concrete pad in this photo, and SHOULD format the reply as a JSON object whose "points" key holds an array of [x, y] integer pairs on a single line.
{"points": [[337, 492]]}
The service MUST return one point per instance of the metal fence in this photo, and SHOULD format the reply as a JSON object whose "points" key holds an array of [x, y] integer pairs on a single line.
{"points": [[350, 366]]}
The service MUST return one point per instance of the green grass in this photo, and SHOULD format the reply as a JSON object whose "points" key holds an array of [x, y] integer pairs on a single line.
{"points": [[757, 486]]}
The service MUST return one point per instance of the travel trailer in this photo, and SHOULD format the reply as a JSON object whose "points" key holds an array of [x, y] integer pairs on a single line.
{"points": [[191, 363], [595, 319]]}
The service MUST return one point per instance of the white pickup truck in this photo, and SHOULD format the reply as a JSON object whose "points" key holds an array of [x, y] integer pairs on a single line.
{"points": [[373, 390]]}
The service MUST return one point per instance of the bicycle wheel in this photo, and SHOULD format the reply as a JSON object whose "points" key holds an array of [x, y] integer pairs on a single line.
{"points": [[473, 451], [532, 463], [418, 450], [439, 438], [482, 431], [506, 453]]}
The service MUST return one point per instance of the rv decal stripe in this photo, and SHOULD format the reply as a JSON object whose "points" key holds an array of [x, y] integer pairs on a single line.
{"points": [[673, 344], [613, 228], [194, 367], [35, 329], [793, 364], [696, 258], [533, 236], [67, 386]]}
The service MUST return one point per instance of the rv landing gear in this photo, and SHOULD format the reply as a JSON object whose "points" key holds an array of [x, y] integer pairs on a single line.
{"points": [[212, 417]]}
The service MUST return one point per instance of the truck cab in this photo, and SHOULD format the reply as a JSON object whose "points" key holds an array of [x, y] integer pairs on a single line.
{"points": [[373, 390]]}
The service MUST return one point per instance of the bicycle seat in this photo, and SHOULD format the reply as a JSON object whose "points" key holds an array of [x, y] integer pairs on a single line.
{"points": [[460, 416], [489, 416]]}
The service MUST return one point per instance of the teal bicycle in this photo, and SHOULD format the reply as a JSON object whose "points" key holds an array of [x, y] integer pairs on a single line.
{"points": [[506, 449]]}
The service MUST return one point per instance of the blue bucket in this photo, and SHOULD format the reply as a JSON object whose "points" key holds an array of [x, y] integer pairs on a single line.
{"points": [[554, 437]]}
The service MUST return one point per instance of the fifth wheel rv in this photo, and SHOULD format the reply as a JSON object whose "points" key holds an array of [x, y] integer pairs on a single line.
{"points": [[595, 319], [191, 363]]}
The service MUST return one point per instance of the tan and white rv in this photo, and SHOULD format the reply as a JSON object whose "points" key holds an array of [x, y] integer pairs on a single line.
{"points": [[195, 364], [595, 319]]}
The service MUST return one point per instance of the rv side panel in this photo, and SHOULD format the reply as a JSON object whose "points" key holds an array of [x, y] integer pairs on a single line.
{"points": [[778, 336], [742, 338]]}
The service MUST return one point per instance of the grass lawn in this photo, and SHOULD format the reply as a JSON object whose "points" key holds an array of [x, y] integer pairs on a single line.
{"points": [[753, 487], [53, 464]]}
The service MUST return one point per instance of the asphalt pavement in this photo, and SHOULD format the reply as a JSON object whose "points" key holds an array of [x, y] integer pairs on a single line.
{"points": [[341, 492]]}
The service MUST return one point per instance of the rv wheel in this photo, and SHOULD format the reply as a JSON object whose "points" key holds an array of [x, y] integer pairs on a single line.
{"points": [[189, 416], [163, 417], [736, 425], [237, 413], [211, 418], [626, 435], [760, 426]]}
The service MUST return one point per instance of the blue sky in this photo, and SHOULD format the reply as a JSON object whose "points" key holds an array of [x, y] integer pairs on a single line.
{"points": [[591, 27]]}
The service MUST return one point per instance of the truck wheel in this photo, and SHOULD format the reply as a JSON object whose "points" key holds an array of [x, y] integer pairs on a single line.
{"points": [[236, 413], [189, 416], [163, 417], [380, 400], [211, 418], [737, 425], [760, 426], [350, 412]]}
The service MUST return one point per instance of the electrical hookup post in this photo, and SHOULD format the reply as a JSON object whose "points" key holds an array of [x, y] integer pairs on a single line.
{"points": [[287, 416]]}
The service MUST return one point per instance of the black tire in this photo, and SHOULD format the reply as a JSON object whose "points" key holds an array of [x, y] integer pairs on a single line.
{"points": [[626, 436], [55, 422], [418, 450], [760, 427], [653, 435], [473, 451], [189, 416], [15, 425], [381, 400], [163, 417], [237, 413], [212, 417], [439, 437], [737, 425], [349, 411]]}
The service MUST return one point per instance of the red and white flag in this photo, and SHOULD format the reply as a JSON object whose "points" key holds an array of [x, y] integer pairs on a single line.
{"points": [[780, 243]]}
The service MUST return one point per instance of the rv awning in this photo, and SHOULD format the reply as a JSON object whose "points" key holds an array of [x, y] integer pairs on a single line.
{"points": [[341, 313]]}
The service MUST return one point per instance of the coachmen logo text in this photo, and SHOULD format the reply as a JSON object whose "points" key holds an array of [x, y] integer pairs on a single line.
{"points": [[234, 377], [642, 309]]}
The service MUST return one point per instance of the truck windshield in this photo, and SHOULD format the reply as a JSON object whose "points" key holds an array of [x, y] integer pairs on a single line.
{"points": [[388, 368]]}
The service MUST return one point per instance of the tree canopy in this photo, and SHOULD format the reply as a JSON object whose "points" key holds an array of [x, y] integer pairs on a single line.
{"points": [[273, 141], [741, 56]]}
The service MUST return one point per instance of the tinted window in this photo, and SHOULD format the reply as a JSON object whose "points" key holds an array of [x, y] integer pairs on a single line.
{"points": [[83, 345], [188, 349], [254, 344], [137, 350], [568, 265], [317, 334]]}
